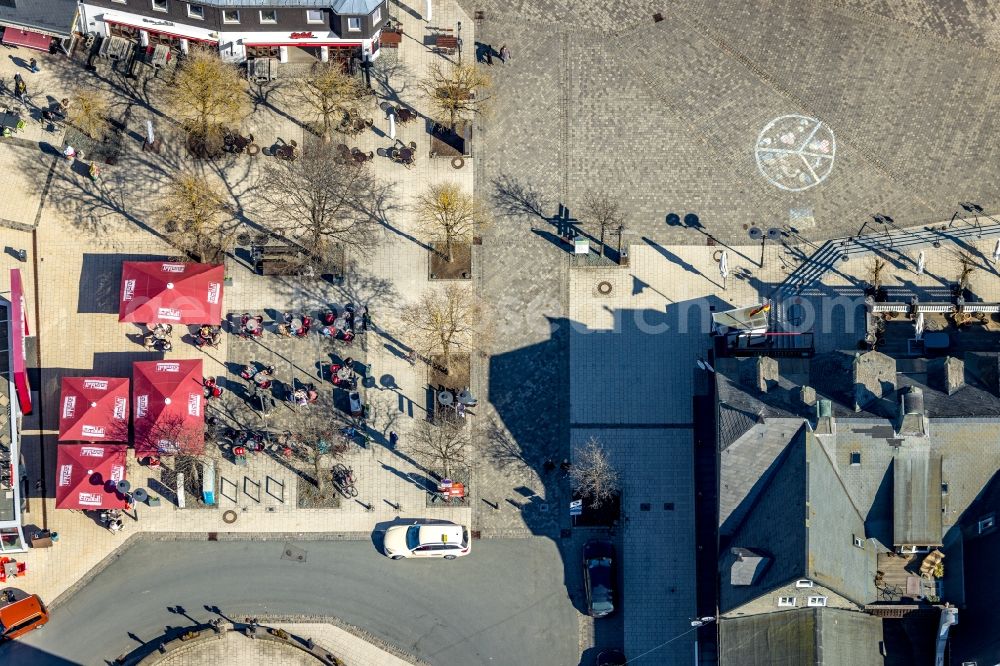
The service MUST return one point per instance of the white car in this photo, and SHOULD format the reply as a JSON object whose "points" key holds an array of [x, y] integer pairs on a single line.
{"points": [[446, 540]]}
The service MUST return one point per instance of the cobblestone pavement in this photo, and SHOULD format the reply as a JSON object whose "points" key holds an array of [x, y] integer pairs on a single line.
{"points": [[692, 93]]}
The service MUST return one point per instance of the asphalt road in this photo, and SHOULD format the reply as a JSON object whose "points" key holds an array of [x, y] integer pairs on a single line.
{"points": [[505, 603]]}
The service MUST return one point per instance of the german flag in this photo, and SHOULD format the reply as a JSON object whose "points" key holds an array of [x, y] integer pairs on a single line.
{"points": [[763, 308]]}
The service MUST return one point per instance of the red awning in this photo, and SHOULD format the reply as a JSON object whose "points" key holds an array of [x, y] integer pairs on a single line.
{"points": [[157, 31], [305, 43], [171, 293], [86, 475], [94, 409], [26, 38], [168, 407]]}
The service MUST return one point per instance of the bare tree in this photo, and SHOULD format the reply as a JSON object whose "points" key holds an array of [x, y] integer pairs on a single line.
{"points": [[444, 319], [592, 475], [446, 210], [206, 94], [603, 212], [197, 218], [442, 444], [322, 202], [318, 431], [876, 268], [89, 112], [966, 265], [330, 93], [457, 90]]}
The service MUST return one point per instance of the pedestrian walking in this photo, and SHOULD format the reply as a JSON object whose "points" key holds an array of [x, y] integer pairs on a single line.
{"points": [[504, 54], [34, 66], [393, 439]]}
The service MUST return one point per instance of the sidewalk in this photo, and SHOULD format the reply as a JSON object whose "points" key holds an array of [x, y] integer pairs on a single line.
{"points": [[86, 229]]}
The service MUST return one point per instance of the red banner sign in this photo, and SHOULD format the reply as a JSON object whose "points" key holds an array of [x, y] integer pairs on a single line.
{"points": [[301, 35], [18, 336]]}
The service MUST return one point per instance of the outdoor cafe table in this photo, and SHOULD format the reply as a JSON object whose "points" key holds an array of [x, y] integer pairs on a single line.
{"points": [[296, 324], [344, 373], [252, 325]]}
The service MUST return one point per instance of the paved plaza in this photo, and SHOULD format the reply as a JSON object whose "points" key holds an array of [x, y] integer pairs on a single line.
{"points": [[712, 118]]}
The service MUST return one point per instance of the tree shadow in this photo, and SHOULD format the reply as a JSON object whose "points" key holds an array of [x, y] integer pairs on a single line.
{"points": [[512, 198]]}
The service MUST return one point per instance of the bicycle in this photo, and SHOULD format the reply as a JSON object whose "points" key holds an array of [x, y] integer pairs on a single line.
{"points": [[343, 479]]}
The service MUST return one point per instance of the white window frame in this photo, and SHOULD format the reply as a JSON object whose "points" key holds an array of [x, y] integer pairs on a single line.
{"points": [[231, 21], [264, 21], [195, 16], [986, 523], [805, 582], [120, 2], [859, 542], [357, 22], [377, 15], [816, 602], [312, 20], [166, 6], [786, 602]]}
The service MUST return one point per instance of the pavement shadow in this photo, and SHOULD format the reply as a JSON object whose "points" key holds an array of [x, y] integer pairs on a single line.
{"points": [[100, 281]]}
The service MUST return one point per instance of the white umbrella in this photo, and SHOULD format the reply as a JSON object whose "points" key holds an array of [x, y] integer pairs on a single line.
{"points": [[724, 264], [392, 125], [996, 252], [428, 12], [921, 262], [918, 332]]}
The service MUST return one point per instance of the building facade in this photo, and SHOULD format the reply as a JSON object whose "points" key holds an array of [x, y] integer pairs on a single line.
{"points": [[289, 30]]}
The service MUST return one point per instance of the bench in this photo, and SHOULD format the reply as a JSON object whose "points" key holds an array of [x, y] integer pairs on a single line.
{"points": [[279, 266], [391, 39], [446, 44]]}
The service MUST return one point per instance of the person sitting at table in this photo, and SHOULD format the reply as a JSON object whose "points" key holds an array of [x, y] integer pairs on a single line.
{"points": [[205, 332], [283, 330], [326, 332], [149, 342], [329, 317], [248, 371], [311, 394], [299, 397], [348, 336], [167, 345], [244, 318], [287, 317]]}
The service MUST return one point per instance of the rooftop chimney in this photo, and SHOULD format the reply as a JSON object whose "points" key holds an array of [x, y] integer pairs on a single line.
{"points": [[954, 374], [767, 372], [913, 419], [824, 418]]}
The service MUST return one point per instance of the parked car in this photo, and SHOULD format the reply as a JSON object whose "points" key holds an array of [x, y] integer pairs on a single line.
{"points": [[599, 577], [446, 540], [19, 617]]}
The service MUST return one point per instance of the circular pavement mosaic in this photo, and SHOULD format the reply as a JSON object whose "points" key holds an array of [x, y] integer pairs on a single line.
{"points": [[795, 152]]}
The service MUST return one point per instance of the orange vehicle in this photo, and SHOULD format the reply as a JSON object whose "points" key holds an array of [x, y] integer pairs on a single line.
{"points": [[19, 617]]}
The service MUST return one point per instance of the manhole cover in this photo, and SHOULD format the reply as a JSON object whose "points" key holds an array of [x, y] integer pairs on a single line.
{"points": [[604, 287], [293, 553], [229, 517]]}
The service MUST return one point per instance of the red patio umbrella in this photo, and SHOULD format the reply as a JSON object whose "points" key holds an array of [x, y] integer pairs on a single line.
{"points": [[162, 292], [94, 409], [86, 475], [168, 407]]}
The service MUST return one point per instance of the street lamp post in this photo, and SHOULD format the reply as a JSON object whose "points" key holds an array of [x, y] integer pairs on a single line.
{"points": [[458, 35]]}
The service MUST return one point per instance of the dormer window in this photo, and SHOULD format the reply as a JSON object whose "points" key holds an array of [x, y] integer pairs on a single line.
{"points": [[859, 542], [353, 23], [986, 523], [805, 582]]}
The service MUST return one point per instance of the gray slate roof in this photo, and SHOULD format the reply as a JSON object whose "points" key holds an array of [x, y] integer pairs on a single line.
{"points": [[803, 637], [916, 495], [49, 16], [804, 520], [353, 7]]}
